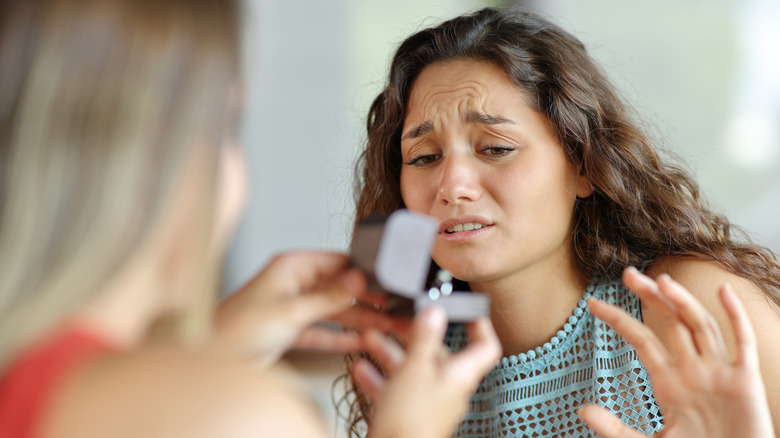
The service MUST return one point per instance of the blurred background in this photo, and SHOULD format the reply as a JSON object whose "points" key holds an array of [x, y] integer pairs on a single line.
{"points": [[703, 75]]}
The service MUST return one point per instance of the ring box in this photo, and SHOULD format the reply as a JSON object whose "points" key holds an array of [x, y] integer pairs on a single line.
{"points": [[395, 253]]}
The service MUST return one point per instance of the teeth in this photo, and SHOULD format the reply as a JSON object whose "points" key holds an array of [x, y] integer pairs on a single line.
{"points": [[464, 227]]}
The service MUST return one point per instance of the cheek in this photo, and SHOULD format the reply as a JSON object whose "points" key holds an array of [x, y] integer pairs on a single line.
{"points": [[543, 195], [556, 201], [413, 191]]}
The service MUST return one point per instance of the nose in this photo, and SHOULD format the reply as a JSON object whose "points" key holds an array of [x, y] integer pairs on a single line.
{"points": [[459, 181]]}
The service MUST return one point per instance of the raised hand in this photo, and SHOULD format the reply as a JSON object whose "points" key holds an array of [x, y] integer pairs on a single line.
{"points": [[279, 309], [700, 390], [427, 390]]}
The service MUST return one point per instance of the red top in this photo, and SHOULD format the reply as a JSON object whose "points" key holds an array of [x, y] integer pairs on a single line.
{"points": [[29, 382]]}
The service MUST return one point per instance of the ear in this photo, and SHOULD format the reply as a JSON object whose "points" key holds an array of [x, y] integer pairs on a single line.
{"points": [[231, 193], [584, 187]]}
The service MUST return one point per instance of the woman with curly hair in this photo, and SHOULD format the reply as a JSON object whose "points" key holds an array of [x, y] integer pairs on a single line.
{"points": [[501, 126]]}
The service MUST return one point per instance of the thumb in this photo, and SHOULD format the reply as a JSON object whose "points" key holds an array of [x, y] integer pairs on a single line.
{"points": [[470, 364], [606, 424], [427, 333]]}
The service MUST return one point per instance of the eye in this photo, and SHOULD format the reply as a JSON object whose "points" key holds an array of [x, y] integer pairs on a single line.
{"points": [[497, 150], [423, 159]]}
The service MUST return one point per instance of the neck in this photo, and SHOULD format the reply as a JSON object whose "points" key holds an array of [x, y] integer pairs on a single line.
{"points": [[125, 309], [529, 307]]}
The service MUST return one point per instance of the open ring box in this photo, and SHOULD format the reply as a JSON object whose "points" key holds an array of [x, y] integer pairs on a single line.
{"points": [[395, 253]]}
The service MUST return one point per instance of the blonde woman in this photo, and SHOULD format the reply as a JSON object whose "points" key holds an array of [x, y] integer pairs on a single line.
{"points": [[120, 185]]}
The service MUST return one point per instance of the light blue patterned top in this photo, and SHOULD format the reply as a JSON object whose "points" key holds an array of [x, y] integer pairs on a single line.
{"points": [[535, 394]]}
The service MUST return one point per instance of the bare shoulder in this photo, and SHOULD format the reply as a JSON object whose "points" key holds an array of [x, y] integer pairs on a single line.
{"points": [[703, 279], [169, 392]]}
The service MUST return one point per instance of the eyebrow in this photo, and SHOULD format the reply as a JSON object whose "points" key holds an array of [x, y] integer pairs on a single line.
{"points": [[471, 117], [484, 119]]}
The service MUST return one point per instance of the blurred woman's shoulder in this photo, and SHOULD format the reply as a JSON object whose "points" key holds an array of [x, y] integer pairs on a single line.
{"points": [[164, 392]]}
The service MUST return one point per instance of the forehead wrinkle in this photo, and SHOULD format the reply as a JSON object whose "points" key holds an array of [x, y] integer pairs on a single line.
{"points": [[440, 99]]}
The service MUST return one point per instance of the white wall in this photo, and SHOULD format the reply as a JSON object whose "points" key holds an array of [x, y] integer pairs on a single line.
{"points": [[705, 76]]}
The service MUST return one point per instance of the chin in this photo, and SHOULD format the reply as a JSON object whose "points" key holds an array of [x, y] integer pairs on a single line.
{"points": [[465, 270]]}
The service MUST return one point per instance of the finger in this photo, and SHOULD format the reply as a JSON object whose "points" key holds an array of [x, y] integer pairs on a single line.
{"points": [[332, 298], [647, 290], [293, 272], [386, 352], [368, 378], [747, 354], [427, 333], [605, 423], [328, 340], [361, 319], [654, 305], [373, 300], [647, 345], [681, 343], [470, 364], [706, 332]]}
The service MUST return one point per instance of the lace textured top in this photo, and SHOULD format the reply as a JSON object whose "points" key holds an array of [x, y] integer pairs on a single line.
{"points": [[535, 394]]}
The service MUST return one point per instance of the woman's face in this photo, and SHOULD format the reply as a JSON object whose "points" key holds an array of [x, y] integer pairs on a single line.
{"points": [[479, 159]]}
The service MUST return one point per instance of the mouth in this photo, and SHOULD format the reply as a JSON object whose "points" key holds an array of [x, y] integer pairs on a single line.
{"points": [[463, 225], [468, 226]]}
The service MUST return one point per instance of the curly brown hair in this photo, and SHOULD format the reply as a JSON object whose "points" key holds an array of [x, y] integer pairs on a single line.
{"points": [[642, 207]]}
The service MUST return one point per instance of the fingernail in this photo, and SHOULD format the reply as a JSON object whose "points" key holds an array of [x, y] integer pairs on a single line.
{"points": [[349, 281], [435, 318], [599, 305], [664, 277]]}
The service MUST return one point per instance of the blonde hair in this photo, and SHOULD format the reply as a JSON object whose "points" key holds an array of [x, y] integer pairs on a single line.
{"points": [[102, 104]]}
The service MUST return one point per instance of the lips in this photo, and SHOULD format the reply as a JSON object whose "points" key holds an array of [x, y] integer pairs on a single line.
{"points": [[463, 224]]}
